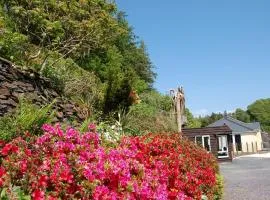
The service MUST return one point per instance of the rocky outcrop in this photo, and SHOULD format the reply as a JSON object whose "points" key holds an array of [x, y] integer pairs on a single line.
{"points": [[15, 82]]}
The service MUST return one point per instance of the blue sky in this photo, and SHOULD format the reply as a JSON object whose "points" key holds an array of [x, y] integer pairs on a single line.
{"points": [[219, 51]]}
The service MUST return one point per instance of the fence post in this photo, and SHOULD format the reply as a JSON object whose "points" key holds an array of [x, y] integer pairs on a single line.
{"points": [[252, 147], [247, 147], [256, 147]]}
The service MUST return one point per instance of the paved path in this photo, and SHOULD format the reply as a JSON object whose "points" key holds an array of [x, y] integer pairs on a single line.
{"points": [[247, 178]]}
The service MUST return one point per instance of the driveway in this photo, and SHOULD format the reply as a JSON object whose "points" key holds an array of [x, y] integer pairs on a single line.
{"points": [[247, 178]]}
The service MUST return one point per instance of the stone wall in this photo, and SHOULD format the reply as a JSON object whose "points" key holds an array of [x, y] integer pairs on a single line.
{"points": [[15, 82]]}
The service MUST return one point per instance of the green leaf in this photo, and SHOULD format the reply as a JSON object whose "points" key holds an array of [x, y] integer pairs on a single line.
{"points": [[3, 193]]}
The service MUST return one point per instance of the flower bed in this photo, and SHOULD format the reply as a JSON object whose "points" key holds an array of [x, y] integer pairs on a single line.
{"points": [[71, 165]]}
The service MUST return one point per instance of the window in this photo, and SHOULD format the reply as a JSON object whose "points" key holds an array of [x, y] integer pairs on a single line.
{"points": [[223, 151], [203, 141]]}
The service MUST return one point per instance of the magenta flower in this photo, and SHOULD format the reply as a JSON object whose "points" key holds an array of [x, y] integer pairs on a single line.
{"points": [[92, 127]]}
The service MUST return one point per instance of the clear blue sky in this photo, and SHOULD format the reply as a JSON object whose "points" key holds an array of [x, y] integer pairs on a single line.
{"points": [[218, 50]]}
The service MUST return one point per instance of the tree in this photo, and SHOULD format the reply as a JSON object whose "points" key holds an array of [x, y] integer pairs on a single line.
{"points": [[71, 40], [260, 111], [209, 119], [192, 122], [72, 28], [241, 115]]}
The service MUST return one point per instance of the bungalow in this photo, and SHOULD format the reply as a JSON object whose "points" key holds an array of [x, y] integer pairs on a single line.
{"points": [[246, 137], [216, 140]]}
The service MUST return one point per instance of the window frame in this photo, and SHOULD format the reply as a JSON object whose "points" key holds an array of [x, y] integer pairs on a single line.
{"points": [[204, 136]]}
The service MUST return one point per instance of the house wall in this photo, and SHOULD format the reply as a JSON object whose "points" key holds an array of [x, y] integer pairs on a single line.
{"points": [[251, 142], [214, 145], [259, 140]]}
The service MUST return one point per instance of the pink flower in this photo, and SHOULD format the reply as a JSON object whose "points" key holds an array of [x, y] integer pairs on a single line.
{"points": [[66, 164], [101, 192], [89, 174], [48, 128], [92, 127], [59, 131]]}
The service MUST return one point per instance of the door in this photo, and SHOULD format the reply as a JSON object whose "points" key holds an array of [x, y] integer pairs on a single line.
{"points": [[238, 142], [223, 150]]}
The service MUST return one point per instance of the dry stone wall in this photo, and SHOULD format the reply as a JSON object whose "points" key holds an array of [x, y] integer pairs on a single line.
{"points": [[15, 82]]}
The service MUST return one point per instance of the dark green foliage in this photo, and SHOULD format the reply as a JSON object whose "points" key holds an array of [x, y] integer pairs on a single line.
{"points": [[260, 111], [192, 122], [68, 27], [209, 119], [241, 115], [70, 40], [157, 100]]}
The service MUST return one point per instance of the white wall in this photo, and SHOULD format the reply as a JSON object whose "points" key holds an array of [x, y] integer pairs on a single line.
{"points": [[252, 137]]}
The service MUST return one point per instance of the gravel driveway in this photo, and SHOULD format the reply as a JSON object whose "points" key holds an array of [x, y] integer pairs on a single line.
{"points": [[247, 178]]}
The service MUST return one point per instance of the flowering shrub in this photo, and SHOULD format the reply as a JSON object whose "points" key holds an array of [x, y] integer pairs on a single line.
{"points": [[71, 165], [183, 166]]}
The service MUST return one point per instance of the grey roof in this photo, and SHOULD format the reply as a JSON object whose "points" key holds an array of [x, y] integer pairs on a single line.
{"points": [[236, 125]]}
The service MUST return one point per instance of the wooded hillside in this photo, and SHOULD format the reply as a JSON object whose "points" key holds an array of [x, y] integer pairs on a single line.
{"points": [[91, 55]]}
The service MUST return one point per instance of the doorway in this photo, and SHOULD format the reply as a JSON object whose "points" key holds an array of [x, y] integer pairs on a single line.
{"points": [[223, 150]]}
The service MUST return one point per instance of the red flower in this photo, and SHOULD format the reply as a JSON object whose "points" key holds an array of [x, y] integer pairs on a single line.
{"points": [[152, 166], [28, 152], [23, 166], [43, 181], [6, 149], [1, 182], [9, 147], [66, 176], [14, 149], [38, 195], [52, 198], [2, 173]]}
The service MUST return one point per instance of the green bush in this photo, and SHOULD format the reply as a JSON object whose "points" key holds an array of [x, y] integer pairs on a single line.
{"points": [[219, 191], [143, 118], [7, 128], [27, 117]]}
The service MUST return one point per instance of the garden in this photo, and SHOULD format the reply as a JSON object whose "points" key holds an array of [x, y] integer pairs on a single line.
{"points": [[79, 115], [67, 164]]}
